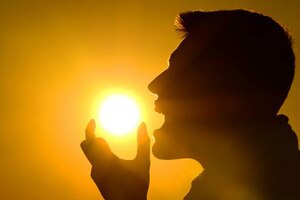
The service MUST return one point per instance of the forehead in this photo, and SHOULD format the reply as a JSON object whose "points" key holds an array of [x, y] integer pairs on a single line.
{"points": [[190, 51]]}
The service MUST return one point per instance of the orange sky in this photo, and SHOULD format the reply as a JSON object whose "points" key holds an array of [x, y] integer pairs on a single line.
{"points": [[58, 57]]}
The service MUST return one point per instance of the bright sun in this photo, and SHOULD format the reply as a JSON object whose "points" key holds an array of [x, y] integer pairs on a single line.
{"points": [[119, 114]]}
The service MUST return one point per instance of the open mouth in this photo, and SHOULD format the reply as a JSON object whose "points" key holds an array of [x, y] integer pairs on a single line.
{"points": [[157, 107], [159, 110]]}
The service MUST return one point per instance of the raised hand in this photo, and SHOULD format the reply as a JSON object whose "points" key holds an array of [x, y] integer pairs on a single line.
{"points": [[118, 179]]}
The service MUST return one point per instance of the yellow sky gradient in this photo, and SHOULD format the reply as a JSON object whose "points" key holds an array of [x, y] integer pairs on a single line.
{"points": [[57, 60]]}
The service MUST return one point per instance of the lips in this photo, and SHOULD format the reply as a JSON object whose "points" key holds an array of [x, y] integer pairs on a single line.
{"points": [[157, 106], [155, 133], [158, 132]]}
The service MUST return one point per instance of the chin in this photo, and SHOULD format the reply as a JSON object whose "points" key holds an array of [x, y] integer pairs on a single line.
{"points": [[168, 152], [162, 152], [167, 146]]}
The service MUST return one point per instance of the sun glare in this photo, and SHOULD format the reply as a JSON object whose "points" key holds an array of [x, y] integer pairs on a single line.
{"points": [[119, 114]]}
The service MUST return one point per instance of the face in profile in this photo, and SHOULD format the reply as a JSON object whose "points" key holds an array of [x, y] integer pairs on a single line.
{"points": [[185, 100], [196, 94]]}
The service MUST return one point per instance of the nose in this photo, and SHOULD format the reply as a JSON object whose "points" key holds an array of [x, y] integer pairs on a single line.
{"points": [[157, 84]]}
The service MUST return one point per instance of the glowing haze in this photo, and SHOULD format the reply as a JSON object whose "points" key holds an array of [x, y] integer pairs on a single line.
{"points": [[57, 56], [119, 114]]}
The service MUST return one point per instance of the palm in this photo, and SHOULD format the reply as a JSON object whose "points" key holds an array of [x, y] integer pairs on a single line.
{"points": [[117, 178]]}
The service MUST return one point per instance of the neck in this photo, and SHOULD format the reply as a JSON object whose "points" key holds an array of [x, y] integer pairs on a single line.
{"points": [[232, 148]]}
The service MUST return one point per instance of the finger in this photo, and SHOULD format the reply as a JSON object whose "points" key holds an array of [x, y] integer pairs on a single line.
{"points": [[90, 130], [97, 151], [143, 150]]}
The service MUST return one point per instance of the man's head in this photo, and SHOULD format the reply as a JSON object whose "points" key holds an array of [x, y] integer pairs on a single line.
{"points": [[231, 67]]}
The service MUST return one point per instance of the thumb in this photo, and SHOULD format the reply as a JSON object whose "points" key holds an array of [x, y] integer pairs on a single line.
{"points": [[89, 131], [143, 149], [89, 136]]}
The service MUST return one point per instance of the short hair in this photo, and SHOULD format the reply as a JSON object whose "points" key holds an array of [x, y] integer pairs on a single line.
{"points": [[263, 44]]}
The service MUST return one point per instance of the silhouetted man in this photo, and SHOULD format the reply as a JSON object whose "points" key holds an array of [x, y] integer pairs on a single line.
{"points": [[220, 96]]}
